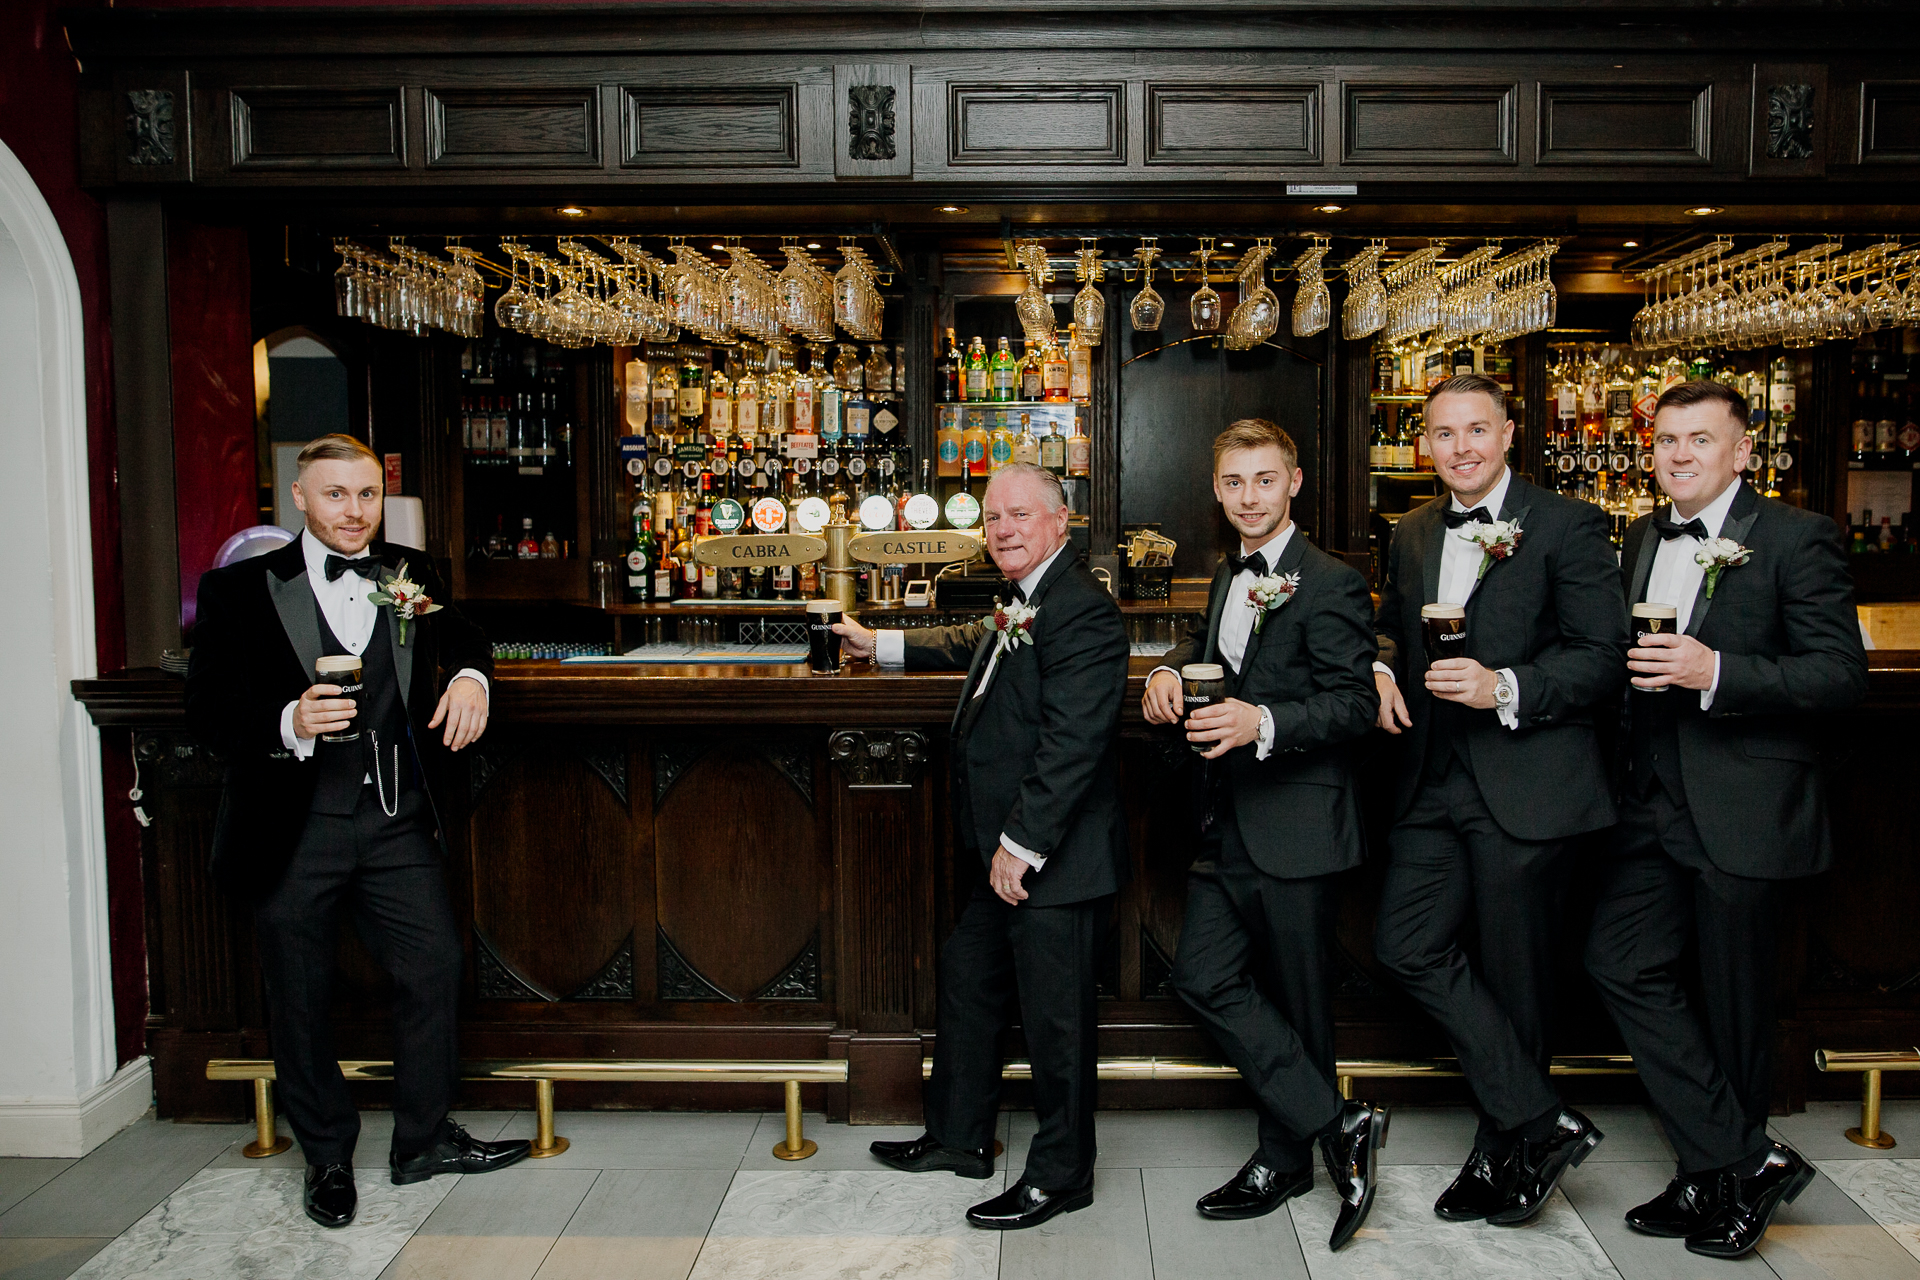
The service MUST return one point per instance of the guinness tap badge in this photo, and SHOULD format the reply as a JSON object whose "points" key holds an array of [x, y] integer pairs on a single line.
{"points": [[1654, 620], [1445, 629], [344, 670]]}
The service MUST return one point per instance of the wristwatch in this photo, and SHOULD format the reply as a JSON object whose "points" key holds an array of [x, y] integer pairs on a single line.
{"points": [[1503, 690]]}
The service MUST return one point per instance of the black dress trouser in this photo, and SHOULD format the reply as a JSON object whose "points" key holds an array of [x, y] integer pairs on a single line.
{"points": [[1253, 967], [388, 872], [1451, 860], [1045, 958], [1708, 1066]]}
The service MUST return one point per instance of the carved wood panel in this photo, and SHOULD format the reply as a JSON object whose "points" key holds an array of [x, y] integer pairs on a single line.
{"points": [[1626, 124], [1233, 124], [1789, 127], [748, 127], [557, 128], [1013, 124], [1428, 124], [1889, 122], [872, 120], [316, 128]]}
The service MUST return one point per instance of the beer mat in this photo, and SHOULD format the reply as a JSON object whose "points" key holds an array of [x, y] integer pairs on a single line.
{"points": [[736, 655], [1149, 648], [704, 603]]}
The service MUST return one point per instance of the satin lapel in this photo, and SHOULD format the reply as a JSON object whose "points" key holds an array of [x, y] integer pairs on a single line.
{"points": [[402, 653], [980, 652], [1740, 518], [294, 601], [1510, 510], [1289, 561], [1216, 607], [1643, 553]]}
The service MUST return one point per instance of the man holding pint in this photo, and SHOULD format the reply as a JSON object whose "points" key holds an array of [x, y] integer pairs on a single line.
{"points": [[328, 809], [1748, 633], [1289, 629], [1501, 633], [1034, 797]]}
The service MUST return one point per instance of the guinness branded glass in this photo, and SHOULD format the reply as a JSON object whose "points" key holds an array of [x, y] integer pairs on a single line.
{"points": [[823, 642], [1654, 620], [1445, 629], [344, 670], [1202, 685]]}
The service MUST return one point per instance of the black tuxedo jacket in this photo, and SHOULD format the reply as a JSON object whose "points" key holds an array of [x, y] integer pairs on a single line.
{"points": [[254, 647], [1788, 636], [1038, 752], [1552, 613], [1311, 666]]}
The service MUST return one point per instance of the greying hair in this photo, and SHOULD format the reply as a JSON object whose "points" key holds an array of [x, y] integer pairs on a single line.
{"points": [[1055, 491]]}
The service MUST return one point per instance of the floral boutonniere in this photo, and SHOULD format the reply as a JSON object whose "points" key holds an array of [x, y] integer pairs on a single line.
{"points": [[1717, 554], [1497, 539], [1269, 593], [1014, 622], [406, 597]]}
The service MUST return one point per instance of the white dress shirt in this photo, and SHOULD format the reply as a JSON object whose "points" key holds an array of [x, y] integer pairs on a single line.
{"points": [[1460, 560], [890, 650], [350, 615], [1676, 577], [1236, 627]]}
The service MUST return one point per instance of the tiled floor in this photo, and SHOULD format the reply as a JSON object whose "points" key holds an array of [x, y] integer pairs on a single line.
{"points": [[656, 1196]]}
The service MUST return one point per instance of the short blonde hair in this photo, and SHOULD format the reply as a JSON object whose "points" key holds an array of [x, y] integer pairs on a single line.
{"points": [[335, 448], [1255, 433]]}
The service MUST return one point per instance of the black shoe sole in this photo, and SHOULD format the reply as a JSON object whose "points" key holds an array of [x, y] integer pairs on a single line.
{"points": [[329, 1223], [936, 1165], [1054, 1208], [1509, 1218], [1661, 1233], [1800, 1183], [400, 1179]]}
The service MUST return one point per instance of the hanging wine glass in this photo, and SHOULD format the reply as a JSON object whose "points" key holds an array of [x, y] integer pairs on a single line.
{"points": [[1035, 312], [1257, 317], [1204, 308], [1089, 305], [1312, 303], [510, 309], [1147, 307]]}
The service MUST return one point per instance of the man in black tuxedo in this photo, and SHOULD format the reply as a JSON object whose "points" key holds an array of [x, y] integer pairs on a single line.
{"points": [[1503, 768], [310, 829], [1722, 804], [1035, 798], [1280, 821]]}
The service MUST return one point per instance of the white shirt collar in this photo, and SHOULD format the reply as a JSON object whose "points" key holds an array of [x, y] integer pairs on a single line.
{"points": [[1714, 514], [1495, 499], [317, 552], [1031, 581], [1274, 548]]}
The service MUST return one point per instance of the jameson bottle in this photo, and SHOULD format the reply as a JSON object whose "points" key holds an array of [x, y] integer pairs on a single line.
{"points": [[946, 372]]}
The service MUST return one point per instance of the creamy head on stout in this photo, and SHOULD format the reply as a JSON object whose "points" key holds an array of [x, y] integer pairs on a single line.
{"points": [[1444, 628], [1468, 433]]}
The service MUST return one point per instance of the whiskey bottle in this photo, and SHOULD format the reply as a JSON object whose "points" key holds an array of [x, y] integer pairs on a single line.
{"points": [[666, 397], [1079, 368], [746, 403], [720, 404], [1079, 451], [692, 395], [1055, 375], [1053, 450], [1031, 388], [1026, 446], [946, 373]]}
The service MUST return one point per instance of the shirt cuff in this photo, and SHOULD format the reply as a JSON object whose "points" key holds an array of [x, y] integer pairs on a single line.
{"points": [[1706, 694], [1510, 714], [301, 747], [468, 673], [1383, 667], [1263, 740], [890, 648], [1020, 851]]}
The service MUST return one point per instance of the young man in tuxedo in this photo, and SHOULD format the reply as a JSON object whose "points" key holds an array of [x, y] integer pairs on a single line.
{"points": [[311, 830], [1035, 798], [1502, 768], [1280, 822], [1722, 804]]}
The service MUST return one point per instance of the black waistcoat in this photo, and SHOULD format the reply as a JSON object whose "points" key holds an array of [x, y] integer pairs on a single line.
{"points": [[344, 767]]}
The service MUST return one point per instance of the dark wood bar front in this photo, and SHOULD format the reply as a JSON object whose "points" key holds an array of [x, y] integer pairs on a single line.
{"points": [[704, 862]]}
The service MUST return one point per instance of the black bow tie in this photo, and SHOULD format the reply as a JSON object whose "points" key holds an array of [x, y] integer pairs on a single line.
{"points": [[1668, 530], [1019, 593], [1455, 519], [367, 567], [1256, 562]]}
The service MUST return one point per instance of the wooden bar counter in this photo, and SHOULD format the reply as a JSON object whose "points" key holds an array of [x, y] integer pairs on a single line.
{"points": [[754, 862]]}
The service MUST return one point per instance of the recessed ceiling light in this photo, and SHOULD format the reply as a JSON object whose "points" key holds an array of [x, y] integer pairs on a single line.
{"points": [[953, 208], [1629, 244], [722, 248], [1702, 210], [813, 244], [1330, 208], [571, 211], [1226, 244]]}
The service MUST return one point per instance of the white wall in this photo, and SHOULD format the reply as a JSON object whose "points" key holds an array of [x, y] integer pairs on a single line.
{"points": [[59, 1091]]}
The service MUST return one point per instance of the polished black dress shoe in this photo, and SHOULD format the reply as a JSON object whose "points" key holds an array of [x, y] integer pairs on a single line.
{"points": [[456, 1151], [1254, 1191], [1745, 1204], [1538, 1164], [1679, 1211], [1480, 1190], [1024, 1205], [331, 1198], [1352, 1153], [925, 1155]]}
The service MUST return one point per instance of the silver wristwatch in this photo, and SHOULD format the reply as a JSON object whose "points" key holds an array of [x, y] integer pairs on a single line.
{"points": [[1503, 690]]}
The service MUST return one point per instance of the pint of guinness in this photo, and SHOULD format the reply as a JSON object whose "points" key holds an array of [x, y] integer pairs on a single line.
{"points": [[823, 642], [1654, 620], [1445, 628], [344, 670], [1202, 685]]}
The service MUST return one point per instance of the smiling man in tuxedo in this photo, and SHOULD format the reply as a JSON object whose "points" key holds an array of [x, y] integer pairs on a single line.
{"points": [[1280, 822], [1502, 768], [310, 830], [1722, 804], [1035, 799]]}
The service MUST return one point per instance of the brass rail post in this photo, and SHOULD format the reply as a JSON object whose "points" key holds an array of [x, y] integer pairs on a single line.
{"points": [[267, 1140], [545, 1143], [1869, 1134], [796, 1146]]}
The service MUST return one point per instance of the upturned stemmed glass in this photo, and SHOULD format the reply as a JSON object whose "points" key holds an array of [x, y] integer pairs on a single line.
{"points": [[1147, 307]]}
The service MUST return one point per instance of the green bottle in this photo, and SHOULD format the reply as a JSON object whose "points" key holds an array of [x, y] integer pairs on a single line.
{"points": [[1006, 373], [976, 382]]}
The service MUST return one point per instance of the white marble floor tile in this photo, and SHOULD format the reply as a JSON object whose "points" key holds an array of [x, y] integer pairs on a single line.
{"points": [[638, 1224], [842, 1146], [21, 1177], [1820, 1132], [644, 1139], [1107, 1240], [1633, 1133], [1603, 1192], [1889, 1190], [369, 1152], [494, 1226], [1153, 1139], [1403, 1240], [115, 1185], [1824, 1235], [1187, 1246], [794, 1225], [42, 1259], [239, 1224], [1427, 1135]]}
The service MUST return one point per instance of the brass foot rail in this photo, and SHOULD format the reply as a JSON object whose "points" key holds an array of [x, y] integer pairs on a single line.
{"points": [[792, 1074], [1869, 1065], [1345, 1071]]}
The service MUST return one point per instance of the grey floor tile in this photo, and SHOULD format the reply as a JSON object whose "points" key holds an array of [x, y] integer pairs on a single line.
{"points": [[1154, 1139], [638, 1224], [1633, 1133], [1889, 1190], [369, 1152], [495, 1226], [841, 1146], [1187, 1246], [113, 1187], [1602, 1192], [645, 1139], [1428, 1135], [1105, 1241], [1820, 1132], [21, 1177], [1824, 1235], [39, 1258]]}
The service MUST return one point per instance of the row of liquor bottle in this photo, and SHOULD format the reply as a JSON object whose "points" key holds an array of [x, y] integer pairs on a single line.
{"points": [[1059, 371], [1883, 536], [1885, 432], [1416, 370], [776, 390]]}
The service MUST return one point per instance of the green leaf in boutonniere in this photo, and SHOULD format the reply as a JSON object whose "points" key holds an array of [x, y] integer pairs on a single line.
{"points": [[1717, 555]]}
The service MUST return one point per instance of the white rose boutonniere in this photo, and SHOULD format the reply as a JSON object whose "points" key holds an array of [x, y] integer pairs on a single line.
{"points": [[406, 598], [1269, 593], [1718, 554], [1013, 622], [1497, 539]]}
